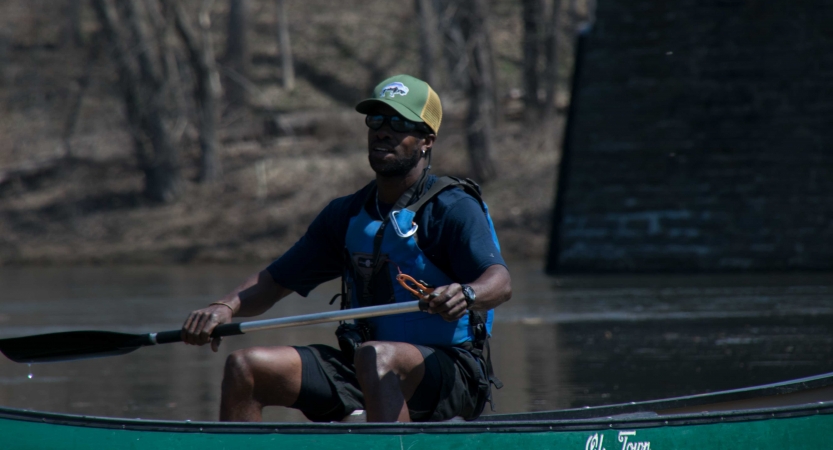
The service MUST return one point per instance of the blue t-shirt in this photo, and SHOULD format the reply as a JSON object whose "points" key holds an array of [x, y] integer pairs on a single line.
{"points": [[453, 234]]}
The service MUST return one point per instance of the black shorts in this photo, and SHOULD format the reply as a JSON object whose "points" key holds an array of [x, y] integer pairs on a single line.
{"points": [[453, 385]]}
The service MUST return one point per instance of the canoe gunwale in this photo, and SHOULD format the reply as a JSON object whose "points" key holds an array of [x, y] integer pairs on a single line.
{"points": [[627, 421], [762, 391]]}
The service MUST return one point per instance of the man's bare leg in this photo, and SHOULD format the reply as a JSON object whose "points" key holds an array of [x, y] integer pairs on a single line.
{"points": [[257, 377], [389, 373]]}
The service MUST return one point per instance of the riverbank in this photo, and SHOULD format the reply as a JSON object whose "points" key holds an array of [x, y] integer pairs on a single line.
{"points": [[91, 211], [73, 194]]}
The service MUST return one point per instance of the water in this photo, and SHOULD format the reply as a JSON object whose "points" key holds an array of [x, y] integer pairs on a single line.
{"points": [[560, 342]]}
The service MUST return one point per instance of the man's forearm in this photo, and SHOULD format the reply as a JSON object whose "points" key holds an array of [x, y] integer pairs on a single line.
{"points": [[492, 288], [256, 295]]}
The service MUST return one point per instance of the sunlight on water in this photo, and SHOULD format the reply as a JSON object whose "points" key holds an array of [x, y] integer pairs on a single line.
{"points": [[30, 372]]}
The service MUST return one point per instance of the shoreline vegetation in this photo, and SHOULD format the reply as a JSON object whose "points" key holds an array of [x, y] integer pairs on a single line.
{"points": [[72, 191]]}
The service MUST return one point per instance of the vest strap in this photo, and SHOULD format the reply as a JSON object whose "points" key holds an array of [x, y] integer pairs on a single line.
{"points": [[380, 233], [477, 319]]}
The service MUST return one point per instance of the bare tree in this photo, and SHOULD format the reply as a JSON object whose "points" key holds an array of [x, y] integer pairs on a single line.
{"points": [[428, 40], [481, 90], [73, 32], [572, 16], [591, 10], [551, 42], [237, 51], [454, 49], [207, 88], [287, 67], [80, 86], [145, 94], [532, 13]]}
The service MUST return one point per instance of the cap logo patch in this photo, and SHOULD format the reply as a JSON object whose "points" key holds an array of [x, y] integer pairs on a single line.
{"points": [[393, 89]]}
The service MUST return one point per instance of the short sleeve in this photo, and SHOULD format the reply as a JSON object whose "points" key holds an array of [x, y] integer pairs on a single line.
{"points": [[460, 240], [318, 256]]}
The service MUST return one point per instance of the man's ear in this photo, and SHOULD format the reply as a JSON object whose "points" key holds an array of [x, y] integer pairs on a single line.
{"points": [[428, 143]]}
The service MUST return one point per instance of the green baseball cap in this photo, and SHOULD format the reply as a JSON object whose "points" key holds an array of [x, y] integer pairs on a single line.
{"points": [[411, 97]]}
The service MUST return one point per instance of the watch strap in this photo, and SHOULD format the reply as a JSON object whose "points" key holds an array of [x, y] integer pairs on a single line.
{"points": [[468, 294]]}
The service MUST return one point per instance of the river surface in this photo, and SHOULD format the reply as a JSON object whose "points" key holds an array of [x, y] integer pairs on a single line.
{"points": [[561, 342]]}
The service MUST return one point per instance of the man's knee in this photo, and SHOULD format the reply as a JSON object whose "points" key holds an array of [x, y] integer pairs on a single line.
{"points": [[246, 365], [374, 359], [381, 364], [270, 375], [377, 359], [238, 368]]}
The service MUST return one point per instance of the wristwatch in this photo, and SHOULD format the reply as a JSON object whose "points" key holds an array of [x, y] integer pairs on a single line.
{"points": [[468, 294]]}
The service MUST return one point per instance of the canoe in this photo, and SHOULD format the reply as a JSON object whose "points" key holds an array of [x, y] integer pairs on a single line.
{"points": [[794, 414]]}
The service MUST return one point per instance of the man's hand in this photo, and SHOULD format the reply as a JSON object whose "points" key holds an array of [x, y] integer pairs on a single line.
{"points": [[492, 288], [447, 301], [200, 323], [256, 295]]}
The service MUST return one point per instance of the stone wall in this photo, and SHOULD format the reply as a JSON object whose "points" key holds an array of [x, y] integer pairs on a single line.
{"points": [[700, 139]]}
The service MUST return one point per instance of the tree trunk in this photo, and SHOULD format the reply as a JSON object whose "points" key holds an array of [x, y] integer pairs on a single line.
{"points": [[591, 10], [149, 61], [75, 108], [551, 68], [480, 118], [237, 50], [128, 76], [73, 33], [428, 41], [287, 67], [532, 12], [144, 98], [572, 17], [162, 177], [453, 44], [207, 88]]}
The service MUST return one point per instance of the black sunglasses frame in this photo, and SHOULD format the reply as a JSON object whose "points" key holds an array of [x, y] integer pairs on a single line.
{"points": [[401, 122]]}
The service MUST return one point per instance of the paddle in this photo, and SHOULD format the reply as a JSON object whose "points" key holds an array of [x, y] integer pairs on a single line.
{"points": [[73, 345]]}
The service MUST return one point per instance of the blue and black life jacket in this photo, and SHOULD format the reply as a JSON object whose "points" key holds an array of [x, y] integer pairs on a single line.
{"points": [[378, 250]]}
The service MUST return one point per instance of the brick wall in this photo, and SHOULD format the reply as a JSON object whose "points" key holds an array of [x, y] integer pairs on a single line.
{"points": [[700, 139]]}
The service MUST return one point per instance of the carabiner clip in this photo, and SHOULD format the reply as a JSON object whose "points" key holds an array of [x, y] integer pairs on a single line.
{"points": [[394, 215]]}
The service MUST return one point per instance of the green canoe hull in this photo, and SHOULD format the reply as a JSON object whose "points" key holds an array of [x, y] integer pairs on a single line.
{"points": [[796, 414], [785, 428]]}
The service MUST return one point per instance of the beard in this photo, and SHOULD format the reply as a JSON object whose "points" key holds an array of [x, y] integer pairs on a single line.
{"points": [[398, 168]]}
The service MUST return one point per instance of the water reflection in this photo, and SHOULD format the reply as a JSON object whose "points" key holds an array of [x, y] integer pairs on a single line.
{"points": [[561, 342]]}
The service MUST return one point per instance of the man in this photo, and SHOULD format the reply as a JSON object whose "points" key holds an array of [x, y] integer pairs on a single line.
{"points": [[414, 366]]}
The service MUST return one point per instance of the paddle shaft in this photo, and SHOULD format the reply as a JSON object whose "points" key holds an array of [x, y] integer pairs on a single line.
{"points": [[232, 329], [72, 345]]}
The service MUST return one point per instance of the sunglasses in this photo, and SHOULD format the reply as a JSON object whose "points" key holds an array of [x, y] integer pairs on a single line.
{"points": [[396, 123]]}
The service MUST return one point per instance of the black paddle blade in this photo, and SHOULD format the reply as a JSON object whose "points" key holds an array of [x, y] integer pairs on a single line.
{"points": [[71, 345]]}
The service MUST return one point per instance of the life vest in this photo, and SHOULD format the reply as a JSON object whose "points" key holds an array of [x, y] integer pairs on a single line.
{"points": [[378, 250]]}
